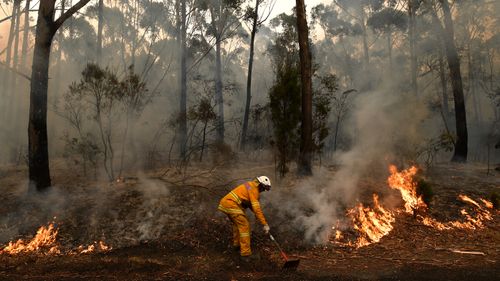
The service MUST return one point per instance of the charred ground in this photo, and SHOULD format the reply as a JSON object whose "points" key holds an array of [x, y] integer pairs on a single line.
{"points": [[163, 225]]}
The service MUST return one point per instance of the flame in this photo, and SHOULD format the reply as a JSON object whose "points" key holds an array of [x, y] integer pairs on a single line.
{"points": [[403, 181], [45, 238], [96, 246], [45, 241], [371, 223], [471, 221], [374, 223]]}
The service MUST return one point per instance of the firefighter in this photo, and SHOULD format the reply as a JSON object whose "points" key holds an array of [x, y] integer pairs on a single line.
{"points": [[234, 204]]}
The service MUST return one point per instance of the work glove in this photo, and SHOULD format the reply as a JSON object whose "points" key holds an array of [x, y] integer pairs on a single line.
{"points": [[266, 229]]}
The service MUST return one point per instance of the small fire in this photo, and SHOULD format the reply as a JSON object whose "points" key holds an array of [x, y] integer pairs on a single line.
{"points": [[45, 239], [371, 223], [403, 181], [96, 246], [45, 242], [471, 222]]}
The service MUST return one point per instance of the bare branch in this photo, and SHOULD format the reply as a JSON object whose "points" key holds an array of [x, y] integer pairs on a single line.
{"points": [[4, 19], [15, 71], [69, 13]]}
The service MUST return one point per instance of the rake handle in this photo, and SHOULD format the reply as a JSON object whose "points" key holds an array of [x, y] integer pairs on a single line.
{"points": [[278, 245]]}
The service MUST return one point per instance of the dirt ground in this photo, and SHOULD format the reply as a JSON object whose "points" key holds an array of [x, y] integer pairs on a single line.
{"points": [[163, 226]]}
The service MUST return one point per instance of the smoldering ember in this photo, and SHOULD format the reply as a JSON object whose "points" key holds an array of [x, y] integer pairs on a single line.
{"points": [[249, 140]]}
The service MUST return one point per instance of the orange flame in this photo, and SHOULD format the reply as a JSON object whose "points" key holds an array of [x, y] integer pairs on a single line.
{"points": [[471, 222], [372, 223], [45, 238], [45, 241], [96, 246], [403, 181]]}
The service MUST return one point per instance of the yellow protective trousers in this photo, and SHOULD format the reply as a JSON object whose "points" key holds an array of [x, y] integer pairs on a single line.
{"points": [[241, 233]]}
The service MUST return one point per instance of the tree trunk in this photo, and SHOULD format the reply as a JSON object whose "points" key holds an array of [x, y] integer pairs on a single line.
{"points": [[183, 76], [219, 99], [413, 56], [444, 87], [304, 165], [38, 170], [15, 58], [8, 60], [389, 51], [460, 153], [39, 174], [249, 76], [366, 55], [100, 24], [26, 32]]}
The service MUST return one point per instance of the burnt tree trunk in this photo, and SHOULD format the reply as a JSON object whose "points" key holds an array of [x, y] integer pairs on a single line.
{"points": [[306, 145], [39, 174], [460, 153], [249, 76]]}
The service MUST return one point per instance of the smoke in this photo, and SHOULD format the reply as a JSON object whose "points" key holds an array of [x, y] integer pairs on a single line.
{"points": [[383, 125]]}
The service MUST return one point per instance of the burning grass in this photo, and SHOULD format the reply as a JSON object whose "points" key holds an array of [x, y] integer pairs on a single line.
{"points": [[373, 223], [45, 243]]}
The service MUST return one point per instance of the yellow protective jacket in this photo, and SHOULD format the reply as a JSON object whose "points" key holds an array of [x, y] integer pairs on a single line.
{"points": [[243, 196]]}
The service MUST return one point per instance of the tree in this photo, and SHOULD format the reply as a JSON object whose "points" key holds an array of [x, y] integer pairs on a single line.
{"points": [[100, 24], [412, 8], [386, 21], [306, 144], [183, 81], [38, 154], [224, 21], [460, 152], [252, 14]]}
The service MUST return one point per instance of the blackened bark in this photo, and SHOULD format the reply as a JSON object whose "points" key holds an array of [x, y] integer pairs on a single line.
{"points": [[304, 165], [39, 174], [249, 76], [460, 153]]}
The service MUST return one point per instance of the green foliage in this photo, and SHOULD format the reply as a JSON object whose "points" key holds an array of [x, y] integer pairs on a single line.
{"points": [[428, 151], [387, 19], [203, 111], [105, 99], [322, 106], [285, 102], [424, 189], [329, 19], [84, 148]]}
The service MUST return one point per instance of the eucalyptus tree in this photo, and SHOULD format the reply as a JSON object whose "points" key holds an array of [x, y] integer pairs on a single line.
{"points": [[306, 142], [257, 19], [386, 21], [224, 20], [47, 26], [461, 144]]}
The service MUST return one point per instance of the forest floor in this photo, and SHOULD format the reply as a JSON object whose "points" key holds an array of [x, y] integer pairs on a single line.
{"points": [[163, 225]]}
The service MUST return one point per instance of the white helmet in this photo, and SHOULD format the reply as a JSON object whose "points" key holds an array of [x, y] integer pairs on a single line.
{"points": [[265, 181]]}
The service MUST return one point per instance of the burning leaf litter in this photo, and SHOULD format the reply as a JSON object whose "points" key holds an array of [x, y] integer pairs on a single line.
{"points": [[373, 223], [45, 242]]}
